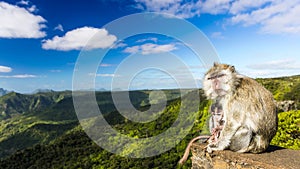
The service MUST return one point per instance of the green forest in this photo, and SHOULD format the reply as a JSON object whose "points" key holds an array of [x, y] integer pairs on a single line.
{"points": [[42, 130]]}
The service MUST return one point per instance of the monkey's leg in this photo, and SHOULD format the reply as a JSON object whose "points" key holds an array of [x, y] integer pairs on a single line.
{"points": [[258, 144], [241, 140]]}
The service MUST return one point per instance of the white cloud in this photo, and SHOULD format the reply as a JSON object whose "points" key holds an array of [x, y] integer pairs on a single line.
{"points": [[275, 68], [5, 69], [259, 15], [104, 75], [105, 65], [240, 6], [259, 73], [277, 65], [269, 73], [185, 9], [17, 22], [19, 76], [274, 16], [147, 39], [285, 22], [23, 2], [55, 71], [150, 48], [217, 35], [59, 27], [81, 38], [133, 49], [119, 45], [33, 8], [26, 4], [179, 8], [215, 6]]}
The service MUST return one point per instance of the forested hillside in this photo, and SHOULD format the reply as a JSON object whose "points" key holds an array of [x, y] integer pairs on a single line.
{"points": [[46, 133], [284, 88], [74, 149], [27, 120]]}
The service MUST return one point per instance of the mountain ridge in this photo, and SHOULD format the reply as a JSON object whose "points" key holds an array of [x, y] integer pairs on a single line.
{"points": [[4, 92], [52, 130]]}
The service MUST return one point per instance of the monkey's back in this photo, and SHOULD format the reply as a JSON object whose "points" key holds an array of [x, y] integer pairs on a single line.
{"points": [[259, 107]]}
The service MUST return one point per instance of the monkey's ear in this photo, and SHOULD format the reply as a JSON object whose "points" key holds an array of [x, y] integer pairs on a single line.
{"points": [[216, 64], [232, 69]]}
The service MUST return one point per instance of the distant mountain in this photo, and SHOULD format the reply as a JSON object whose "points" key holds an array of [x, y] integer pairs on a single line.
{"points": [[3, 92], [14, 103], [42, 91]]}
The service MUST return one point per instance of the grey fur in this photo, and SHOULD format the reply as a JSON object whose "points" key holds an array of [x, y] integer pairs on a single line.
{"points": [[249, 110]]}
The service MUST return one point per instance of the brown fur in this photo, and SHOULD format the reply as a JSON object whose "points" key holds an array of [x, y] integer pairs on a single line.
{"points": [[249, 110]]}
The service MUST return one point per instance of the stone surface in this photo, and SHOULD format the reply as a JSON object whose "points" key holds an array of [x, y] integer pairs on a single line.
{"points": [[273, 158], [286, 105]]}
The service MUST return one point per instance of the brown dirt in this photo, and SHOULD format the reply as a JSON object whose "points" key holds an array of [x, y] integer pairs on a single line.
{"points": [[274, 157]]}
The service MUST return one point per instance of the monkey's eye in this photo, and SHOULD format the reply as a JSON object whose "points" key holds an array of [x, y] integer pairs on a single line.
{"points": [[216, 76], [221, 75]]}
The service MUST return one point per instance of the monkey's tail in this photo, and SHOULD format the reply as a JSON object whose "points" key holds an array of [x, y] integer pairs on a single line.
{"points": [[187, 150]]}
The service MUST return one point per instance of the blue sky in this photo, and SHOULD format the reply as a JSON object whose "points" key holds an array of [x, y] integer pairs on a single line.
{"points": [[40, 41]]}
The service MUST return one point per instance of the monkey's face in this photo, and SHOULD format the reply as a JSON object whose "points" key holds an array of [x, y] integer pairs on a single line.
{"points": [[217, 81]]}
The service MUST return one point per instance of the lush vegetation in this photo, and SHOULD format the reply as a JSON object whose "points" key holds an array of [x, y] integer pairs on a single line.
{"points": [[42, 131], [288, 134], [284, 88], [28, 120], [75, 150]]}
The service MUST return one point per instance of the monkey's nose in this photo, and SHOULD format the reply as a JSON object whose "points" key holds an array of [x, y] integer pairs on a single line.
{"points": [[216, 85]]}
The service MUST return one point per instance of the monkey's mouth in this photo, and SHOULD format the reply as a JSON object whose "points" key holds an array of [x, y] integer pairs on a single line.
{"points": [[220, 92]]}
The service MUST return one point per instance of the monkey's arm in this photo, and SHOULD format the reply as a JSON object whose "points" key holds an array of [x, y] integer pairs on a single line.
{"points": [[229, 129]]}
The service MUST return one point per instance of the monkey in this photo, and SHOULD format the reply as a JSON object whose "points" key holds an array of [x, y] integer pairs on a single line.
{"points": [[216, 121], [243, 113], [215, 126], [249, 110]]}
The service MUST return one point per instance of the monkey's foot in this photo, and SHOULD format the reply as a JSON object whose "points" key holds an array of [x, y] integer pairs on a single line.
{"points": [[216, 146], [209, 150], [211, 147]]}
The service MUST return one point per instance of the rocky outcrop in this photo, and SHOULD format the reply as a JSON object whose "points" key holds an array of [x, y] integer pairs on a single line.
{"points": [[273, 158], [286, 105]]}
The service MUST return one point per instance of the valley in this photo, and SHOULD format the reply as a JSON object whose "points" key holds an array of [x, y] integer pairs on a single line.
{"points": [[41, 130]]}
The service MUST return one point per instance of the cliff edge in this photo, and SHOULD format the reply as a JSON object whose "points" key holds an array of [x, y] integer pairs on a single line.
{"points": [[273, 158]]}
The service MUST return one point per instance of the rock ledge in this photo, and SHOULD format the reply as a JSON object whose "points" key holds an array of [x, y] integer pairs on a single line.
{"points": [[273, 158]]}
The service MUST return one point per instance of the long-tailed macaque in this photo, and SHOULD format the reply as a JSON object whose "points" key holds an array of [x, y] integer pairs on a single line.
{"points": [[249, 111]]}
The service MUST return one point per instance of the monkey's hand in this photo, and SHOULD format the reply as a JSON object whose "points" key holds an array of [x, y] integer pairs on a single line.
{"points": [[217, 146], [212, 147]]}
